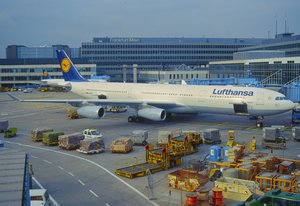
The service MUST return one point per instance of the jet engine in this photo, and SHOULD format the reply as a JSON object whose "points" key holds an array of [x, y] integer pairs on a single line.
{"points": [[154, 114], [93, 112]]}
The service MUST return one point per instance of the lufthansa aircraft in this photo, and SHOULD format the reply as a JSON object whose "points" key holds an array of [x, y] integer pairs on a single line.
{"points": [[156, 101]]}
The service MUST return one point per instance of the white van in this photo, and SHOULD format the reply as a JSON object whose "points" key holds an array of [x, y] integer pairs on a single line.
{"points": [[39, 197]]}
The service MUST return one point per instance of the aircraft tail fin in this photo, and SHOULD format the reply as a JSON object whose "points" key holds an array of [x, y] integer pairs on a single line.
{"points": [[70, 73], [46, 75]]}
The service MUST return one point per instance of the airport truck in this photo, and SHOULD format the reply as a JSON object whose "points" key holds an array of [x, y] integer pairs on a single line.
{"points": [[39, 197], [296, 115], [92, 133]]}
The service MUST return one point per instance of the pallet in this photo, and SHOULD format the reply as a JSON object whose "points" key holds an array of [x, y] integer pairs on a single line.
{"points": [[90, 152], [207, 141], [68, 147], [50, 143], [274, 145]]}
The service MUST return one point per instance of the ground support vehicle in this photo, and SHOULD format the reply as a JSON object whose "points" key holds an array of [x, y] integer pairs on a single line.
{"points": [[278, 144], [157, 159], [39, 197], [92, 133], [10, 132], [72, 114], [91, 146], [70, 141], [51, 138], [37, 134], [139, 170]]}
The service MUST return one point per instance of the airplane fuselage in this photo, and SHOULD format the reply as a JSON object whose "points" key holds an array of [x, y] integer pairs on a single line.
{"points": [[192, 98]]}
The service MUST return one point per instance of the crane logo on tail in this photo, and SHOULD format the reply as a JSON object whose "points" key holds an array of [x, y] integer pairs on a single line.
{"points": [[65, 65]]}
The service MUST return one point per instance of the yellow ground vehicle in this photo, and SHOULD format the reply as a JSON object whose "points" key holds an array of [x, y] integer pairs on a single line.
{"points": [[11, 132]]}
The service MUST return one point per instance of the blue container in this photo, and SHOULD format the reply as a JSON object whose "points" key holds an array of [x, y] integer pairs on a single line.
{"points": [[1, 143], [225, 153], [215, 153]]}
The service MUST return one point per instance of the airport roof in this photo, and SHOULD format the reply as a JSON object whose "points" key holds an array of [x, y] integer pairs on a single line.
{"points": [[39, 61], [12, 166], [282, 60], [178, 40]]}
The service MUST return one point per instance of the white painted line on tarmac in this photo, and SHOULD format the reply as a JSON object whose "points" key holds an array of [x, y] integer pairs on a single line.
{"points": [[47, 162], [41, 186], [106, 204], [35, 157], [91, 191], [91, 162], [60, 167], [81, 182], [70, 173]]}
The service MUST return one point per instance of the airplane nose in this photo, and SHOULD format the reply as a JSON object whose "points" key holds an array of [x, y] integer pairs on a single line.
{"points": [[291, 105]]}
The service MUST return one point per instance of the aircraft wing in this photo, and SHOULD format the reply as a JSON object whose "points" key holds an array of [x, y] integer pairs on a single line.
{"points": [[77, 102]]}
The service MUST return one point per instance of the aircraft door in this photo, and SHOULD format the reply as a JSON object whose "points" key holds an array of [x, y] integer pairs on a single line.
{"points": [[240, 109]]}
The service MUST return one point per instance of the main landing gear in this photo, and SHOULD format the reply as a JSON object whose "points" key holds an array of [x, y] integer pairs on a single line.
{"points": [[259, 122], [135, 119]]}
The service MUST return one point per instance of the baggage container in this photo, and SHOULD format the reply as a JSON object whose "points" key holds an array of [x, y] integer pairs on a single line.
{"points": [[139, 137], [37, 134], [121, 145], [211, 136], [51, 138], [271, 133], [3, 125], [70, 141], [91, 146], [296, 133]]}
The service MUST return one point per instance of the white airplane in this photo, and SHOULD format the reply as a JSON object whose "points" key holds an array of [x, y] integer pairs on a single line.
{"points": [[155, 101]]}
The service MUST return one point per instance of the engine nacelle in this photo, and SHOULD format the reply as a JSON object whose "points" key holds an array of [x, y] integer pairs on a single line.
{"points": [[154, 114], [93, 112]]}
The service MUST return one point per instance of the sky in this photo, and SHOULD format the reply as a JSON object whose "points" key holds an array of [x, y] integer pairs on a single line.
{"points": [[44, 23]]}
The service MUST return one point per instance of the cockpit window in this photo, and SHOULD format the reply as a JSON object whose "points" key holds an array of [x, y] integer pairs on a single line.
{"points": [[281, 98]]}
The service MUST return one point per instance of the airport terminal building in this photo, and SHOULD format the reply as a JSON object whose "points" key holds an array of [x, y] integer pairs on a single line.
{"points": [[269, 71], [286, 42], [113, 56], [22, 72]]}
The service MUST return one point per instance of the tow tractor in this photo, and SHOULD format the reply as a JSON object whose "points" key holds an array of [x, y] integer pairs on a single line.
{"points": [[92, 133]]}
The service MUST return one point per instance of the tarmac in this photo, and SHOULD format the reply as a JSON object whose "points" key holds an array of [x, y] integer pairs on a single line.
{"points": [[73, 178]]}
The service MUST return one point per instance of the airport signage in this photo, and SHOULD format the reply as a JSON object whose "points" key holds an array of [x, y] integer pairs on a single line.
{"points": [[232, 92], [125, 40]]}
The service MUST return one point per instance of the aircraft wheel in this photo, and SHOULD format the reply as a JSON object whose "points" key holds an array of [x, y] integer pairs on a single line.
{"points": [[130, 119], [259, 124]]}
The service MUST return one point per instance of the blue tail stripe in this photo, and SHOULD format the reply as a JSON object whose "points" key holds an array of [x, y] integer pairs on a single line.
{"points": [[70, 73]]}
